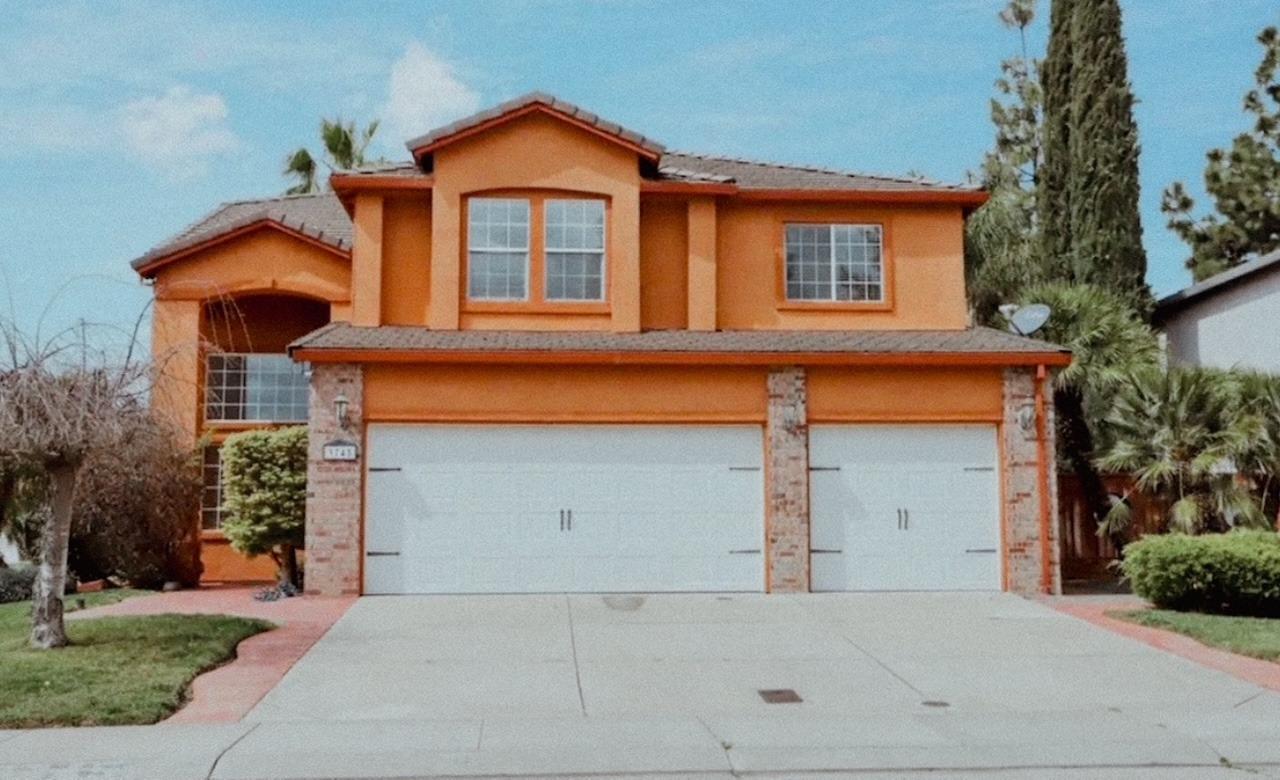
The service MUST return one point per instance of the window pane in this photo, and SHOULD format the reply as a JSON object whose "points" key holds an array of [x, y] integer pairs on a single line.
{"points": [[575, 250], [266, 388], [833, 262], [498, 243], [211, 490]]}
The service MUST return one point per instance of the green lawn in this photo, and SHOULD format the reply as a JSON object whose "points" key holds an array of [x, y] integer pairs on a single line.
{"points": [[1256, 637], [118, 670]]}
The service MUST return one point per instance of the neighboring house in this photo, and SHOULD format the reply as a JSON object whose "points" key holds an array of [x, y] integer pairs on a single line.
{"points": [[570, 360], [1228, 320]]}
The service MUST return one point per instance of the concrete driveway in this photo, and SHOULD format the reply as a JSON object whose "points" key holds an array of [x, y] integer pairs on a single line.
{"points": [[411, 686]]}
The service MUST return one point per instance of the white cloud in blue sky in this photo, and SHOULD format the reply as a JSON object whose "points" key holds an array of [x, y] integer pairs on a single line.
{"points": [[122, 122]]}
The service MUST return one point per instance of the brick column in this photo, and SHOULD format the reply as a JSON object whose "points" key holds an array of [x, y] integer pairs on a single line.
{"points": [[786, 473], [334, 493], [1021, 485]]}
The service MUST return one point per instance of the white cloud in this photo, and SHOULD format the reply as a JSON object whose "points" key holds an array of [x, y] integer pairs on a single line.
{"points": [[425, 92], [178, 131]]}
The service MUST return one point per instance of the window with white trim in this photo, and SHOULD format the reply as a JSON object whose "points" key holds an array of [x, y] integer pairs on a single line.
{"points": [[574, 248], [211, 492], [255, 388], [497, 249], [835, 263]]}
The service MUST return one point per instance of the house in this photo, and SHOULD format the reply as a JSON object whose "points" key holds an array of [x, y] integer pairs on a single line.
{"points": [[1226, 320], [549, 355]]}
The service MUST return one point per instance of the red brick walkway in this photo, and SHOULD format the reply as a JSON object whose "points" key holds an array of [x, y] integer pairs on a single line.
{"points": [[227, 693], [1094, 609]]}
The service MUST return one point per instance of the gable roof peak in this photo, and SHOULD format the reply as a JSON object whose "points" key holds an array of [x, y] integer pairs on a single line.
{"points": [[536, 100]]}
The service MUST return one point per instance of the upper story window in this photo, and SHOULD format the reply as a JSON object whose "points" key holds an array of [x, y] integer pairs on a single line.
{"points": [[255, 388], [835, 263], [539, 250], [498, 249], [575, 250]]}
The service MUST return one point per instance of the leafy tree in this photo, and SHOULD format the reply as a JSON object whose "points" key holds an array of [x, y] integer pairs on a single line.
{"points": [[1252, 437], [1001, 254], [1171, 431], [345, 148], [1087, 197], [1243, 181], [264, 479], [1108, 342]]}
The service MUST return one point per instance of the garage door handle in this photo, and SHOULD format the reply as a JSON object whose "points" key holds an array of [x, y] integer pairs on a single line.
{"points": [[981, 550], [826, 552], [745, 552], [380, 553], [561, 519]]}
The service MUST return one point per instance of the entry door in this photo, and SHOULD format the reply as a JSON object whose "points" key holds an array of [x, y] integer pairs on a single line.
{"points": [[572, 508], [904, 507]]}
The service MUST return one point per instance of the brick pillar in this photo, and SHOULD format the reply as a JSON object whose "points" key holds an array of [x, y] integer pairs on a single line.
{"points": [[334, 493], [1021, 485], [787, 481]]}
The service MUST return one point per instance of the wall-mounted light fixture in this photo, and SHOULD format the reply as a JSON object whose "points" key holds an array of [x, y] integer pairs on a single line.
{"points": [[341, 410]]}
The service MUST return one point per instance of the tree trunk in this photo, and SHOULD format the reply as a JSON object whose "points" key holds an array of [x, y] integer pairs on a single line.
{"points": [[288, 563], [8, 484], [1077, 444], [47, 627]]}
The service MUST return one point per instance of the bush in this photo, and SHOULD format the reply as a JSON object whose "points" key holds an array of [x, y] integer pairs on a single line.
{"points": [[264, 480], [1236, 573], [16, 583], [134, 517]]}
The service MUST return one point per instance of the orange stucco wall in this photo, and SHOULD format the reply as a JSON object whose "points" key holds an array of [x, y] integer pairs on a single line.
{"points": [[838, 394], [924, 262]]}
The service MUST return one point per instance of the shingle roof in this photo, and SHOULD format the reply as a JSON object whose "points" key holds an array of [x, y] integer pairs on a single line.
{"points": [[530, 99], [1215, 284], [754, 175], [318, 216], [399, 338]]}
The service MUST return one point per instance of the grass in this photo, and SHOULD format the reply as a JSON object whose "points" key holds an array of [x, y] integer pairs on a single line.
{"points": [[118, 670], [1254, 637]]}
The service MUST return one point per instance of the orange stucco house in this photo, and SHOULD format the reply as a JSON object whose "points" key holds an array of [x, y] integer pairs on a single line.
{"points": [[549, 355]]}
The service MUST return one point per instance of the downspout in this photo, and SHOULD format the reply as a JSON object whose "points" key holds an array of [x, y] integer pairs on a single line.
{"points": [[1042, 481]]}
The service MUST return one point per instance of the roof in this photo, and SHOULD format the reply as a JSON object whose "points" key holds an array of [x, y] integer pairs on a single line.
{"points": [[755, 175], [534, 100], [1216, 284], [319, 217], [386, 341]]}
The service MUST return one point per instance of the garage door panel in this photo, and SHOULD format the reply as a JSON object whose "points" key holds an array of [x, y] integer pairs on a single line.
{"points": [[479, 508], [907, 507]]}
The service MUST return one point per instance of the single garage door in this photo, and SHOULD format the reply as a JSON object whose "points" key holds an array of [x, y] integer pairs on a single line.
{"points": [[904, 507], [563, 508]]}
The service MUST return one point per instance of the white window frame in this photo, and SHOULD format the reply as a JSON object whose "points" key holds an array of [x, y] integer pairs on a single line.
{"points": [[832, 227], [212, 401], [548, 250], [473, 248], [218, 510]]}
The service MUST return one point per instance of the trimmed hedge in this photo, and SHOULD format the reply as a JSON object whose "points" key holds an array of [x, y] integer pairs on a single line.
{"points": [[1236, 573]]}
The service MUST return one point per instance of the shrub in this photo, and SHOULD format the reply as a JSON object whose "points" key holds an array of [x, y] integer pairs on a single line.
{"points": [[16, 583], [135, 511], [264, 480], [1235, 573]]}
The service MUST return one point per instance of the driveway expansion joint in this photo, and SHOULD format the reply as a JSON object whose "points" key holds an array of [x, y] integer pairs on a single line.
{"points": [[214, 766], [573, 646]]}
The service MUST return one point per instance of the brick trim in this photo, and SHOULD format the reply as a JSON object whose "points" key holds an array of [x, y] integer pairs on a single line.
{"points": [[1021, 495], [787, 482], [335, 495]]}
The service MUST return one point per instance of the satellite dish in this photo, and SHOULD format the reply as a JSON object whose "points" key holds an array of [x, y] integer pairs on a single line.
{"points": [[1028, 319]]}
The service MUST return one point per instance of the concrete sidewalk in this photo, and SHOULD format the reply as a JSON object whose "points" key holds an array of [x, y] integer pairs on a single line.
{"points": [[618, 686]]}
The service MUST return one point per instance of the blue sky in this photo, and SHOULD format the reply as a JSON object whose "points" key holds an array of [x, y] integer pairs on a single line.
{"points": [[123, 122]]}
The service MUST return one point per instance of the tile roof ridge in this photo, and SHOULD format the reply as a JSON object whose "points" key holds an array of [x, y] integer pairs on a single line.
{"points": [[271, 199], [818, 169]]}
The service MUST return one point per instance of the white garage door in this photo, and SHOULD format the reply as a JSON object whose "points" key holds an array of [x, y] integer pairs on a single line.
{"points": [[563, 508], [904, 507]]}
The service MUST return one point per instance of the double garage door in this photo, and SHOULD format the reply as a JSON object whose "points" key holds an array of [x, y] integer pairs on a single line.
{"points": [[648, 508]]}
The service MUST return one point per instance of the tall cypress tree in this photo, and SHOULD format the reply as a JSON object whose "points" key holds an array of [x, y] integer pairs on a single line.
{"points": [[1091, 227], [1052, 196]]}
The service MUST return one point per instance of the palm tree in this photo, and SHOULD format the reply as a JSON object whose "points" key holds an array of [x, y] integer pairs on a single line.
{"points": [[1108, 342], [1175, 432], [1252, 436], [345, 147]]}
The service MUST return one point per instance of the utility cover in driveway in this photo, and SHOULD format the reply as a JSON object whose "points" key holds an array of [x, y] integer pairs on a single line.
{"points": [[573, 508]]}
